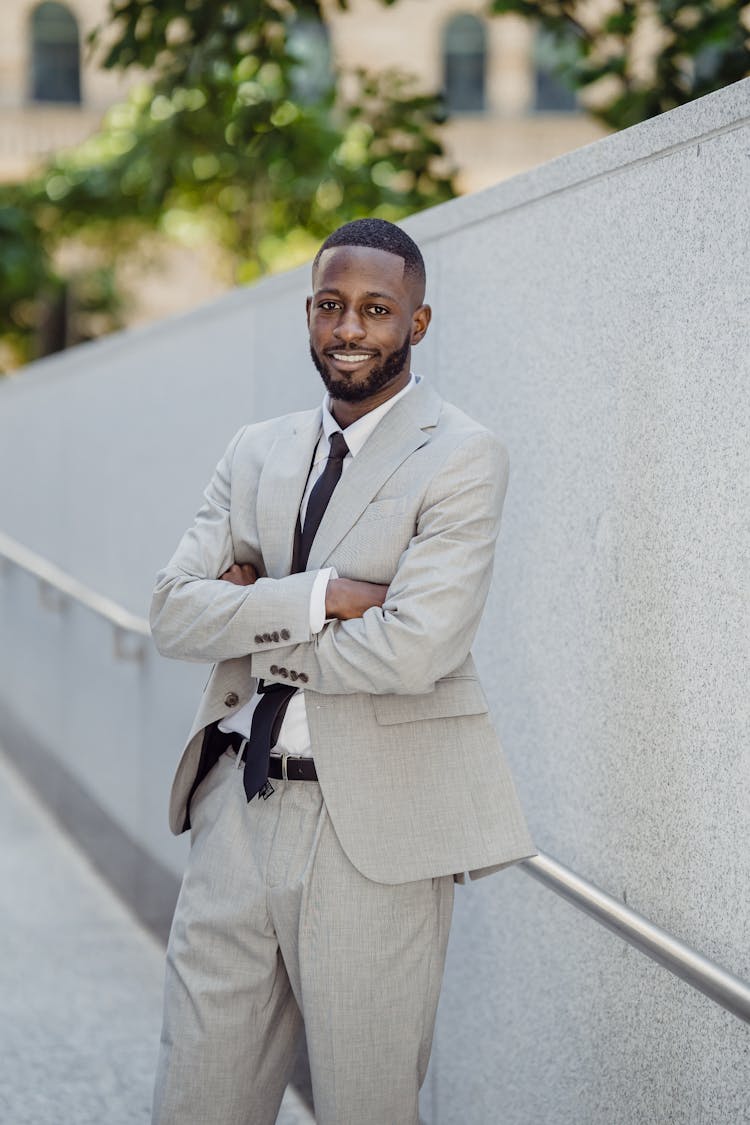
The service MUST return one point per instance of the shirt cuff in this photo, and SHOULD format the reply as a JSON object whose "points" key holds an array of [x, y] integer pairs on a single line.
{"points": [[318, 598]]}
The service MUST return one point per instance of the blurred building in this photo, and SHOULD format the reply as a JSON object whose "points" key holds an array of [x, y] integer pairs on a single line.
{"points": [[52, 93], [507, 111]]}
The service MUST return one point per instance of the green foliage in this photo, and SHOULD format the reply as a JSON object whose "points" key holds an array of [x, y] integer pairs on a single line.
{"points": [[226, 144], [640, 58], [25, 277]]}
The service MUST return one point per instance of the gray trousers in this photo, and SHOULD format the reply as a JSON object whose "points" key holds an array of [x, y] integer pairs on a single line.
{"points": [[274, 925]]}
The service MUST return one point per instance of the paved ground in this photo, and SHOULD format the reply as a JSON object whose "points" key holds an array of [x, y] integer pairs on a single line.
{"points": [[80, 983]]}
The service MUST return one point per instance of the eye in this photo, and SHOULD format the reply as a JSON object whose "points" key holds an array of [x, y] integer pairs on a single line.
{"points": [[378, 310], [328, 306]]}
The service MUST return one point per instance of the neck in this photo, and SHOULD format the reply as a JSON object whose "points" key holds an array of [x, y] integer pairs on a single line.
{"points": [[347, 412]]}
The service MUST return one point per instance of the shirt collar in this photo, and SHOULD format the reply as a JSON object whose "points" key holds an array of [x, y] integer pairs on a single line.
{"points": [[358, 432]]}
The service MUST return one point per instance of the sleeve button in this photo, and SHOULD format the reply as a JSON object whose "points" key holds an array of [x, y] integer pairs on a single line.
{"points": [[283, 672], [293, 675], [258, 639], [267, 638], [304, 677], [285, 634], [274, 669], [231, 699], [274, 637]]}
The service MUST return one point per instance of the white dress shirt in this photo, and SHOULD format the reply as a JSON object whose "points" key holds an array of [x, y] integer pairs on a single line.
{"points": [[294, 736]]}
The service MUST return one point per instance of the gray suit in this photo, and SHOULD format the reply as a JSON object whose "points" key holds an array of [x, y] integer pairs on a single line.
{"points": [[333, 899], [397, 715]]}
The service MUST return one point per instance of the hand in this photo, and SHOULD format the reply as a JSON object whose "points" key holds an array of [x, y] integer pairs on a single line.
{"points": [[347, 598], [241, 574]]}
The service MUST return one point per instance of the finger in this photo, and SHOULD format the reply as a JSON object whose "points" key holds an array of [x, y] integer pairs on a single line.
{"points": [[234, 575]]}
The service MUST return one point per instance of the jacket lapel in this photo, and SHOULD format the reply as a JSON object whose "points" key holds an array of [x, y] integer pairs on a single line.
{"points": [[397, 436], [281, 488]]}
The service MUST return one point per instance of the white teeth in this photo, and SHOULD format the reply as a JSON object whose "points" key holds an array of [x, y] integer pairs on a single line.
{"points": [[348, 358]]}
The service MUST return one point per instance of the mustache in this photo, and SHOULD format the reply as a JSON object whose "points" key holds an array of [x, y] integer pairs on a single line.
{"points": [[358, 349]]}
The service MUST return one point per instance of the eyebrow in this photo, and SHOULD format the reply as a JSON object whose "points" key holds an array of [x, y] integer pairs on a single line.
{"points": [[370, 296]]}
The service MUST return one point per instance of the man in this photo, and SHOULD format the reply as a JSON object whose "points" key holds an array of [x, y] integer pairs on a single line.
{"points": [[344, 552]]}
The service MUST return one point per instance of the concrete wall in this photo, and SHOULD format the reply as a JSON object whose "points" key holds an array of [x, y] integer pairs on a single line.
{"points": [[595, 314]]}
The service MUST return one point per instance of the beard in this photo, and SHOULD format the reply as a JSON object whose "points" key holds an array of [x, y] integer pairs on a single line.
{"points": [[348, 391]]}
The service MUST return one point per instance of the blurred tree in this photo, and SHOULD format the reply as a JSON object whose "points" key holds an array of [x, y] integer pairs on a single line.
{"points": [[26, 277], [242, 135], [639, 58]]}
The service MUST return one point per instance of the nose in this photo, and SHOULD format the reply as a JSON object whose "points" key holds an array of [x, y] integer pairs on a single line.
{"points": [[350, 327]]}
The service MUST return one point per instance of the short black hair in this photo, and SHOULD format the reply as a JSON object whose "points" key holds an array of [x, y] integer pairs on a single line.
{"points": [[379, 235]]}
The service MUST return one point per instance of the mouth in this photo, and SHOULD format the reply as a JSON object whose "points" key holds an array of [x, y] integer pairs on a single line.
{"points": [[350, 359]]}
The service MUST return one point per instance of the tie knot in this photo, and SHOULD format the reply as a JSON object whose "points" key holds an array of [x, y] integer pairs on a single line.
{"points": [[339, 448]]}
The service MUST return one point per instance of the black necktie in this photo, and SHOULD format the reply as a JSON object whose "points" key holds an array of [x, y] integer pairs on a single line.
{"points": [[269, 713], [320, 495]]}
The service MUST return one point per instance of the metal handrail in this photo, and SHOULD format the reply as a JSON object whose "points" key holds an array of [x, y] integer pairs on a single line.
{"points": [[720, 985], [52, 577], [703, 974]]}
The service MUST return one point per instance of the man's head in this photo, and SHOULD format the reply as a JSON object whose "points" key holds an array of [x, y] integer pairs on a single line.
{"points": [[366, 312], [377, 234]]}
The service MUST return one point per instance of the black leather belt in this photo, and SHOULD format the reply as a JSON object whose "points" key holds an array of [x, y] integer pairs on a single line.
{"points": [[283, 767]]}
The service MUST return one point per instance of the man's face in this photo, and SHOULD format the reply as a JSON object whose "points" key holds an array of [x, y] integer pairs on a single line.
{"points": [[364, 315]]}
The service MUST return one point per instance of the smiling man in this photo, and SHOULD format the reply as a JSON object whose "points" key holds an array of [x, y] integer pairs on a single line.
{"points": [[363, 355], [342, 772]]}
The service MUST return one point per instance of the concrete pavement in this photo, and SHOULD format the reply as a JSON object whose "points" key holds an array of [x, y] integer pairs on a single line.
{"points": [[80, 983]]}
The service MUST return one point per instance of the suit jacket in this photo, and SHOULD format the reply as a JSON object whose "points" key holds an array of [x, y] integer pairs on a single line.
{"points": [[410, 767]]}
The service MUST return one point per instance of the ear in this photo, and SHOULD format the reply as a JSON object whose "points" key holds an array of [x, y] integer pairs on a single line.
{"points": [[420, 322]]}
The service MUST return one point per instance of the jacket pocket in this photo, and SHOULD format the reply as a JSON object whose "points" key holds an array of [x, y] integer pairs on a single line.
{"points": [[456, 695], [392, 507]]}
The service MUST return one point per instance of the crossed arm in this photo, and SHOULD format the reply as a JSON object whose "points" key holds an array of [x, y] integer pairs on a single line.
{"points": [[346, 598], [396, 639]]}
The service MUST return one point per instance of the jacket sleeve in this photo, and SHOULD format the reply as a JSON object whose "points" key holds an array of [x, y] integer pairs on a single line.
{"points": [[435, 599], [195, 616]]}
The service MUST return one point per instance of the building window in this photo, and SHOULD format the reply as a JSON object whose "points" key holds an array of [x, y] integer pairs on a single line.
{"points": [[551, 95], [309, 45], [55, 54], [464, 64], [707, 65]]}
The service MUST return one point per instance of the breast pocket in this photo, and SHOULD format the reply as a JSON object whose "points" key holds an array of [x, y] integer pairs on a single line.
{"points": [[391, 507], [373, 545]]}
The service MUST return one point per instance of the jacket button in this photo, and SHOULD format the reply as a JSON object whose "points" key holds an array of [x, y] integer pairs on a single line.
{"points": [[274, 669], [258, 639], [285, 634], [275, 637], [293, 675], [231, 699], [304, 677]]}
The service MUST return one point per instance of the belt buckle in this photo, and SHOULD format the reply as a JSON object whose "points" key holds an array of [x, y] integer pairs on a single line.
{"points": [[284, 774], [240, 752]]}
